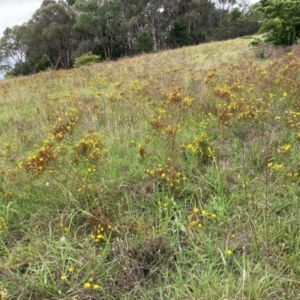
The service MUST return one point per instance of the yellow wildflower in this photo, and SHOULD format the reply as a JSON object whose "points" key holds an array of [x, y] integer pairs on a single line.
{"points": [[87, 285], [63, 277], [195, 210]]}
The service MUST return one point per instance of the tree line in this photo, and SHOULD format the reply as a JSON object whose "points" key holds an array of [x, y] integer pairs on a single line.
{"points": [[60, 31]]}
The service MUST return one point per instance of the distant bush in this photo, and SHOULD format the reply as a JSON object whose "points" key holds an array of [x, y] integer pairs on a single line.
{"points": [[9, 75], [41, 65], [145, 41], [86, 59], [265, 50]]}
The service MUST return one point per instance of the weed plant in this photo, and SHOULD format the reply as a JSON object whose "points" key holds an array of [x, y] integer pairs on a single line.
{"points": [[166, 176]]}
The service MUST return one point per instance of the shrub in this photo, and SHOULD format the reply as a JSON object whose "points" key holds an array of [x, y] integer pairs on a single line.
{"points": [[86, 59], [41, 65], [145, 41]]}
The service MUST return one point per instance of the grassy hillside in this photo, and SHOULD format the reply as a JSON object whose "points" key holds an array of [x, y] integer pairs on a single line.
{"points": [[166, 176]]}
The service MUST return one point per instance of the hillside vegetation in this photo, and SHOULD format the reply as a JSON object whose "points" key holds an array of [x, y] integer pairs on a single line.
{"points": [[166, 176]]}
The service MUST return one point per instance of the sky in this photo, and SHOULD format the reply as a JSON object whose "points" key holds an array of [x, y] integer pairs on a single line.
{"points": [[16, 12]]}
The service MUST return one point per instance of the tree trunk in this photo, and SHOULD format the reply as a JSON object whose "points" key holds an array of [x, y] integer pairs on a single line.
{"points": [[129, 43], [154, 38]]}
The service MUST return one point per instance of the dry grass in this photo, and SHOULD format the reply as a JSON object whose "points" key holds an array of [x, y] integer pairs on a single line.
{"points": [[165, 176]]}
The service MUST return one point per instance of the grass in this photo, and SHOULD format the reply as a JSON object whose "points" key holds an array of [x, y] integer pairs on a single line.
{"points": [[165, 176]]}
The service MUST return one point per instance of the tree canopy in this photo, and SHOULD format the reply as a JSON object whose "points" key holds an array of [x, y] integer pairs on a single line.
{"points": [[281, 21], [60, 31]]}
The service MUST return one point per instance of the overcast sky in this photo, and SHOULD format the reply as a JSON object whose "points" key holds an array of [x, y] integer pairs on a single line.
{"points": [[16, 12]]}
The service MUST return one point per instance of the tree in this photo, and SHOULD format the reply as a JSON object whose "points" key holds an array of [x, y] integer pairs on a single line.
{"points": [[12, 51], [49, 34], [281, 22], [4, 62], [178, 35], [131, 24], [223, 7], [61, 30], [238, 23], [47, 2], [200, 16], [152, 14], [145, 42], [71, 2], [101, 20]]}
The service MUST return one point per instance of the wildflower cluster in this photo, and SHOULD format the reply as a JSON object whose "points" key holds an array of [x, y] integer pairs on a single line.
{"points": [[284, 149], [167, 174], [223, 92], [3, 292], [240, 109], [9, 151], [297, 136], [294, 176], [172, 103], [89, 147], [88, 285], [292, 119], [239, 94], [141, 151], [167, 203], [200, 147], [101, 226], [7, 194], [157, 122], [37, 162], [63, 126], [3, 224], [66, 276], [290, 173], [176, 97], [275, 166], [100, 232], [197, 217], [211, 77]]}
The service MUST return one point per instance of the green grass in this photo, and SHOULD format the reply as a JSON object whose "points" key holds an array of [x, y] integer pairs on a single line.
{"points": [[165, 176]]}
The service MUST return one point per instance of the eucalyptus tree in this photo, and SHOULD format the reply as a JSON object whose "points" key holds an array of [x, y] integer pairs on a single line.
{"points": [[223, 7], [101, 20], [12, 51], [71, 2], [131, 24], [190, 21], [49, 34], [238, 22], [4, 62]]}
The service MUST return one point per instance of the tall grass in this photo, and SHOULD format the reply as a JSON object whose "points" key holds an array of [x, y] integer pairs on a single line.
{"points": [[165, 176]]}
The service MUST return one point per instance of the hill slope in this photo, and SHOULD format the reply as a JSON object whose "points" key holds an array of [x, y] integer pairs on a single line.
{"points": [[166, 176]]}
